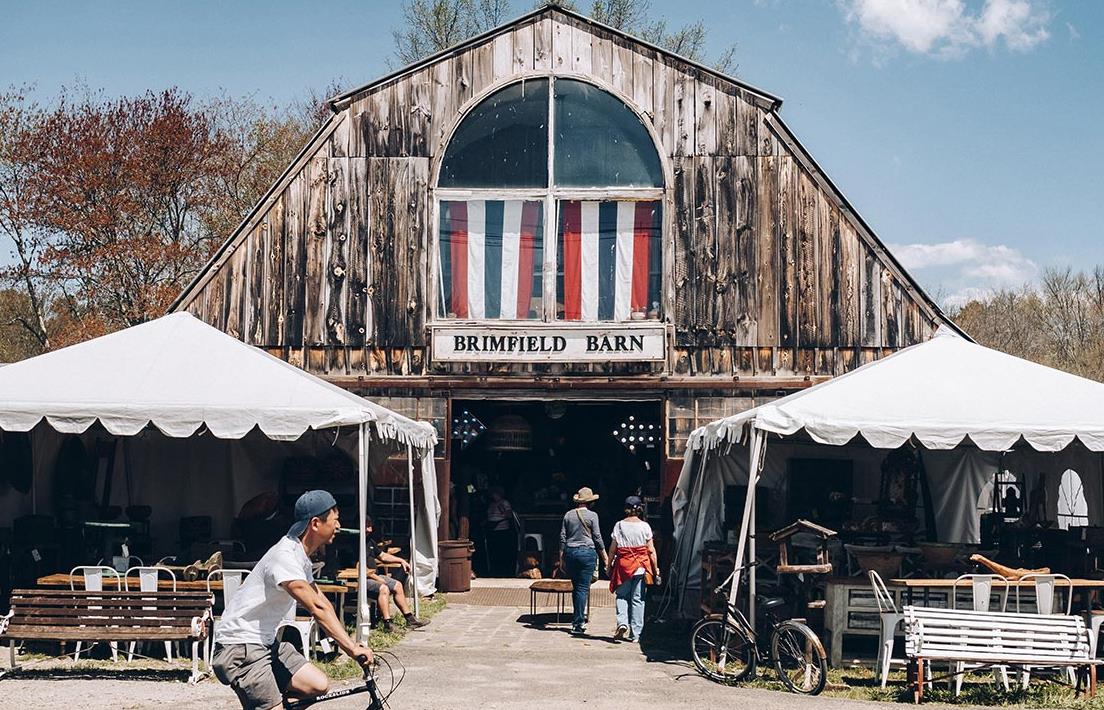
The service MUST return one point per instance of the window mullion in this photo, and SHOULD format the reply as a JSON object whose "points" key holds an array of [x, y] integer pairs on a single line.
{"points": [[550, 218]]}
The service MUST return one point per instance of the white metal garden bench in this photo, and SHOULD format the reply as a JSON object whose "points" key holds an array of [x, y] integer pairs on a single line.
{"points": [[994, 638]]}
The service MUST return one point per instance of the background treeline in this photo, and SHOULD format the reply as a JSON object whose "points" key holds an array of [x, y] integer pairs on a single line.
{"points": [[109, 206], [1058, 322]]}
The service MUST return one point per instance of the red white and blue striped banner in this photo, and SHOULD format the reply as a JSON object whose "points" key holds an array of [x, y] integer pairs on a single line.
{"points": [[609, 257], [491, 254]]}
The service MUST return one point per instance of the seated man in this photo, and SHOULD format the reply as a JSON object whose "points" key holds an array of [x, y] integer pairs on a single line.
{"points": [[247, 656], [385, 587]]}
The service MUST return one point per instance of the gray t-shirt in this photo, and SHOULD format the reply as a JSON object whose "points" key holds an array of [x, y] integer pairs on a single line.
{"points": [[574, 534], [261, 603]]}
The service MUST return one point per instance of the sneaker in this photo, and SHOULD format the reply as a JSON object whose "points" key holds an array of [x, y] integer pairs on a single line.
{"points": [[577, 631], [387, 626], [620, 632]]}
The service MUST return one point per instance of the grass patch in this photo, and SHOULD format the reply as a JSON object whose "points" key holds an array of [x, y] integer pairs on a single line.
{"points": [[341, 667], [859, 683]]}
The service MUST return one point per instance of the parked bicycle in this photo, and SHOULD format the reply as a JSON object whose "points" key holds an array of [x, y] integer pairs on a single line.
{"points": [[376, 701], [726, 648]]}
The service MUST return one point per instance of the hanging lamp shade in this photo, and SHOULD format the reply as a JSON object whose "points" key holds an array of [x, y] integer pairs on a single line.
{"points": [[510, 432]]}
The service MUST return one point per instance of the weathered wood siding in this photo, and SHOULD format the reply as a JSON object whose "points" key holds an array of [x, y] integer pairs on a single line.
{"points": [[769, 272]]}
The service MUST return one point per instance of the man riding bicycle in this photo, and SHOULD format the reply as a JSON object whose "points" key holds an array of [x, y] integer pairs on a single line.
{"points": [[247, 656]]}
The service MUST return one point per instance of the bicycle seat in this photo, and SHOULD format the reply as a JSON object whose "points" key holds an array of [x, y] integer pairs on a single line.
{"points": [[767, 604]]}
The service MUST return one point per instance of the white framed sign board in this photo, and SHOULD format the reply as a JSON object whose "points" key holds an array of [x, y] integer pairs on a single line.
{"points": [[612, 342]]}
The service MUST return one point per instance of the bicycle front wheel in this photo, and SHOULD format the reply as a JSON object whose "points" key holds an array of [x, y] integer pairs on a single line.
{"points": [[724, 655], [799, 658]]}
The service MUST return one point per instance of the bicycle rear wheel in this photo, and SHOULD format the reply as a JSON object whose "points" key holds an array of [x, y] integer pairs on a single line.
{"points": [[799, 658], [720, 654]]}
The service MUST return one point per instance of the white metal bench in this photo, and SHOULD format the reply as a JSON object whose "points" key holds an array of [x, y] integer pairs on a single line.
{"points": [[994, 638]]}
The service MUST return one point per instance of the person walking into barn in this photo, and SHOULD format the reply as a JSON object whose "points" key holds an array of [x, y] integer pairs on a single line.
{"points": [[580, 547], [633, 561]]}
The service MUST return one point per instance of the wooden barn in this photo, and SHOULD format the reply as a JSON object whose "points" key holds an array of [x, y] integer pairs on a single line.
{"points": [[566, 248]]}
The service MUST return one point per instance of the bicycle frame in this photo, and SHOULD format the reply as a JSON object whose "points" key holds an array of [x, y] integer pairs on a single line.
{"points": [[376, 703]]}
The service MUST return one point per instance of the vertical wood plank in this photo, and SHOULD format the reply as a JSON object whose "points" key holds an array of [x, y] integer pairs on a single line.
{"points": [[705, 116], [601, 55], [522, 60], [623, 76], [850, 275], [746, 303], [542, 44], [684, 104], [662, 119], [787, 225], [482, 68], [255, 295], [643, 80], [503, 55], [808, 311], [828, 263], [704, 241], [683, 269], [315, 247], [747, 133], [561, 46], [357, 324], [582, 41], [419, 111], [234, 270], [767, 238], [294, 264], [274, 274], [338, 262], [727, 141]]}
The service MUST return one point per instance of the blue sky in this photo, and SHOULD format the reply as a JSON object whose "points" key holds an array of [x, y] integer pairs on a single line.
{"points": [[964, 131]]}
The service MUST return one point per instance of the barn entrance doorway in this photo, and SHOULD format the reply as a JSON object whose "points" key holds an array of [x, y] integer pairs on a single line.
{"points": [[530, 458]]}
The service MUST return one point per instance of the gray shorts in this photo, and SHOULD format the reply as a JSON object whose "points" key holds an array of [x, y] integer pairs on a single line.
{"points": [[258, 674], [372, 586]]}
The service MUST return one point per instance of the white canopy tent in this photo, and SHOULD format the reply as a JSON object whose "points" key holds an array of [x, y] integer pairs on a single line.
{"points": [[964, 404], [185, 378]]}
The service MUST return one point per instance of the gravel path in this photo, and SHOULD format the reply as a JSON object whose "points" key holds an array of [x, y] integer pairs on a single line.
{"points": [[469, 657]]}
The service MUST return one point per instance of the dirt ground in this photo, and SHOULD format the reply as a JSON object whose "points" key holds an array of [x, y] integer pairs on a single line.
{"points": [[469, 657]]}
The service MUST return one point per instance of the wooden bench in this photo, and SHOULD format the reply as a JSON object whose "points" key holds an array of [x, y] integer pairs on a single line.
{"points": [[560, 587], [994, 638], [63, 615]]}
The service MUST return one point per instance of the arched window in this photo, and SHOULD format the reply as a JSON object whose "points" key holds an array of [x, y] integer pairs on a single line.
{"points": [[1073, 509], [550, 203]]}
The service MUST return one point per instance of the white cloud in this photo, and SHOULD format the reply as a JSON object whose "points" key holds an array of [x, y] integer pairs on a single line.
{"points": [[957, 271], [948, 28]]}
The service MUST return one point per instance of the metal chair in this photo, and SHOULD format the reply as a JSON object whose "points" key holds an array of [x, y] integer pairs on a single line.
{"points": [[890, 618], [231, 582], [981, 591], [148, 578], [93, 582], [1044, 604], [304, 626]]}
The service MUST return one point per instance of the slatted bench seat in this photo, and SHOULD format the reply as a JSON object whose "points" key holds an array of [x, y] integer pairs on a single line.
{"points": [[63, 615], [562, 588], [995, 639]]}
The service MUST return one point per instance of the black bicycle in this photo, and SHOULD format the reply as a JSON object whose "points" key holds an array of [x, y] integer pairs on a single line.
{"points": [[726, 648], [370, 686]]}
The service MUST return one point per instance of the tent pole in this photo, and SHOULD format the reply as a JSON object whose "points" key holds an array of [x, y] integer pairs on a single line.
{"points": [[413, 554], [757, 444], [363, 614]]}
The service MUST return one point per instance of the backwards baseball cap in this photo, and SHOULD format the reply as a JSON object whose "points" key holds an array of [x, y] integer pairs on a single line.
{"points": [[633, 501], [312, 504]]}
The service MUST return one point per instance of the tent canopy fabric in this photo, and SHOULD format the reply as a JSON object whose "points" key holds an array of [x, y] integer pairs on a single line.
{"points": [[180, 374], [945, 392]]}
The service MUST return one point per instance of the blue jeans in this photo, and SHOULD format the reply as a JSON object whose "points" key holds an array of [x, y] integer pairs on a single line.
{"points": [[579, 564], [630, 605]]}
